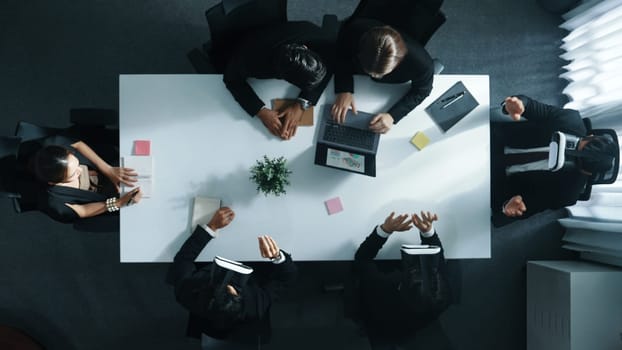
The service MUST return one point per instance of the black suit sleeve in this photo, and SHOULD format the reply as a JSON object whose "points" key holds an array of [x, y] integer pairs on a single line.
{"points": [[555, 117], [281, 276], [347, 46], [435, 240], [235, 78], [183, 263], [364, 256], [420, 66]]}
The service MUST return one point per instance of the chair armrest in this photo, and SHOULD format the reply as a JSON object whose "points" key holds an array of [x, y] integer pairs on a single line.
{"points": [[330, 25]]}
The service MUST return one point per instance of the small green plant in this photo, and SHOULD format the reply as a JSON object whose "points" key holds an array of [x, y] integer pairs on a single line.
{"points": [[270, 175]]}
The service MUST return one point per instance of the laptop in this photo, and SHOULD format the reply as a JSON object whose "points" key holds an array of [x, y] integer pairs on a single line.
{"points": [[350, 146]]}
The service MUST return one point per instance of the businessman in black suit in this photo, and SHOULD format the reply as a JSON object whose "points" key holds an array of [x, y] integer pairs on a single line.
{"points": [[522, 194], [298, 52], [238, 313], [392, 306], [379, 41]]}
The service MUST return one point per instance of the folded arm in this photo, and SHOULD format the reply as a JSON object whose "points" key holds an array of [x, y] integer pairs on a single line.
{"points": [[235, 78]]}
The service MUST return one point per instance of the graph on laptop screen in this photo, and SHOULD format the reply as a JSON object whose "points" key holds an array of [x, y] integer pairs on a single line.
{"points": [[345, 160]]}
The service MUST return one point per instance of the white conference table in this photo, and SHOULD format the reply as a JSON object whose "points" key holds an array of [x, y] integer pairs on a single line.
{"points": [[203, 144]]}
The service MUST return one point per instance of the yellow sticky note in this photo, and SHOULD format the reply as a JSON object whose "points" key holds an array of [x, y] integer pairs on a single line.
{"points": [[420, 140]]}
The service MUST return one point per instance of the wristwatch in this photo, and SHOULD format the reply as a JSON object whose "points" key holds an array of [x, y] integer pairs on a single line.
{"points": [[304, 104]]}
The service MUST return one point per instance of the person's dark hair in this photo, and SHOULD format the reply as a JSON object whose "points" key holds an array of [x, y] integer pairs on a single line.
{"points": [[602, 146], [50, 163], [300, 66], [225, 307], [380, 50], [199, 296]]}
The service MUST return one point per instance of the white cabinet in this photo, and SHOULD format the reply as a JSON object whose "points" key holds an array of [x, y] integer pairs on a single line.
{"points": [[573, 305]]}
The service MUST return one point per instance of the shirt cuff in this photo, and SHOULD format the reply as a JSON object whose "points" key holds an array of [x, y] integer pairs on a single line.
{"points": [[380, 232], [259, 110], [208, 230], [281, 258], [429, 233]]}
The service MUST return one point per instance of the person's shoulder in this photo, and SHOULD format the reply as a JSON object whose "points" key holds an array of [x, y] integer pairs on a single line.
{"points": [[416, 51]]}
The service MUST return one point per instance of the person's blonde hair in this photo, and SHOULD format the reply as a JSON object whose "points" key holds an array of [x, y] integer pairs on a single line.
{"points": [[381, 49]]}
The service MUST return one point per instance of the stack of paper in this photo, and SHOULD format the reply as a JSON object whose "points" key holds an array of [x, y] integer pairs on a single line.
{"points": [[143, 166], [203, 210]]}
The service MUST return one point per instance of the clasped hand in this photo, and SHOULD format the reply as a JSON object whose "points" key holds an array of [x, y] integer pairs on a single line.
{"points": [[515, 207], [514, 106], [283, 123]]}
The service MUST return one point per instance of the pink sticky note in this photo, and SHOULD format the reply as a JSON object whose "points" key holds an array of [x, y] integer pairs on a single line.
{"points": [[142, 147], [333, 205]]}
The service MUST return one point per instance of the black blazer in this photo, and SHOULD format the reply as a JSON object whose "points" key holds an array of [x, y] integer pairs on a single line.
{"points": [[382, 309], [254, 58], [417, 67], [540, 190], [257, 298]]}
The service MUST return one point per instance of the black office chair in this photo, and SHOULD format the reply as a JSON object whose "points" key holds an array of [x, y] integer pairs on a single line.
{"points": [[19, 185], [607, 177], [15, 182], [228, 21], [95, 126], [419, 19]]}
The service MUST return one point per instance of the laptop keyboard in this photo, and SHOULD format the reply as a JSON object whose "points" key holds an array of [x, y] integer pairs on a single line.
{"points": [[349, 136]]}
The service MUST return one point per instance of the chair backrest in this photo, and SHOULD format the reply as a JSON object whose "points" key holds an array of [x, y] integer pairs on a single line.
{"points": [[428, 29], [226, 28], [15, 182], [609, 176], [9, 146], [94, 117], [28, 131], [419, 19]]}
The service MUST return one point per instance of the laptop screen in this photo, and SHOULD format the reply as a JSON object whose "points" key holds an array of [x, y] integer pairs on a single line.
{"points": [[345, 160]]}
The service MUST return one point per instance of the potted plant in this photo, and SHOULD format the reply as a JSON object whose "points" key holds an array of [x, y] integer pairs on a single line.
{"points": [[270, 175]]}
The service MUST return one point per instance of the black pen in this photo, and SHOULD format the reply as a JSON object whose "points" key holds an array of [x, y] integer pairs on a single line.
{"points": [[132, 196]]}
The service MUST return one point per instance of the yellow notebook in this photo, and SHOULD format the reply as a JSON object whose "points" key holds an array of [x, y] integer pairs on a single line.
{"points": [[420, 140]]}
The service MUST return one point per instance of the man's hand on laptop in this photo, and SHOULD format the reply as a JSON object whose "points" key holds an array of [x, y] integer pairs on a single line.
{"points": [[381, 123], [270, 120], [339, 110], [291, 115]]}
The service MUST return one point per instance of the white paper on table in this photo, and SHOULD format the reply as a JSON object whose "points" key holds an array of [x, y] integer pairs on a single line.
{"points": [[143, 166], [203, 210]]}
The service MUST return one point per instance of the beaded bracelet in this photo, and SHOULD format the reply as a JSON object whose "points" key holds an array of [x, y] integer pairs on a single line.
{"points": [[111, 204]]}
